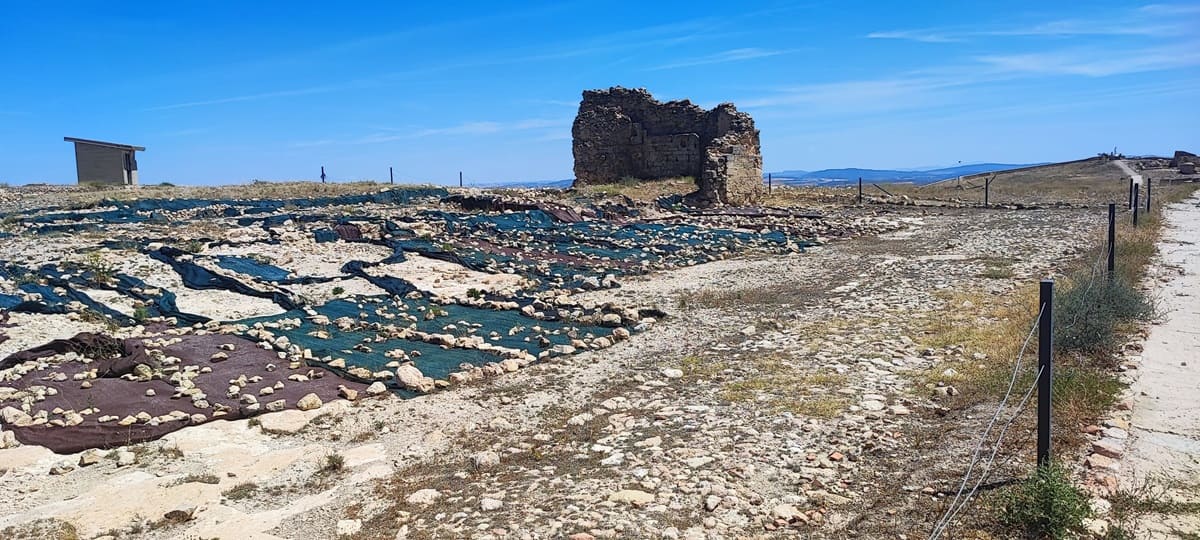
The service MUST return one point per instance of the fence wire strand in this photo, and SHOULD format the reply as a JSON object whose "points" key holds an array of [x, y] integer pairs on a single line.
{"points": [[987, 469], [944, 521]]}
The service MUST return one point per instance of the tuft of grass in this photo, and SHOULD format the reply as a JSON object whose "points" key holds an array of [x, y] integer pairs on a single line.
{"points": [[333, 463], [241, 491], [205, 478], [171, 452], [95, 317], [1047, 505], [338, 291], [997, 272], [694, 367], [140, 314]]}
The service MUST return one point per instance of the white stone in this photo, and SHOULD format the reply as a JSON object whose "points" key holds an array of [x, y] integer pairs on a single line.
{"points": [[424, 496], [348, 527]]}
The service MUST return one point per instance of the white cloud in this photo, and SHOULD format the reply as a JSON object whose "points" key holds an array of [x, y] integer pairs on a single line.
{"points": [[924, 36], [247, 97], [1148, 21], [484, 127], [732, 55], [1092, 63]]}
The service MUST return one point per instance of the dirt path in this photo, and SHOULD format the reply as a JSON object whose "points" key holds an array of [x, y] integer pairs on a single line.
{"points": [[1137, 178], [1164, 445]]}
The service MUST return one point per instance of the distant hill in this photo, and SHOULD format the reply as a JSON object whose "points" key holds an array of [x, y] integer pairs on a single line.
{"points": [[851, 175], [538, 184]]}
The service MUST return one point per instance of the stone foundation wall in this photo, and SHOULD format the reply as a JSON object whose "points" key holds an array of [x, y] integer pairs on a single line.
{"points": [[622, 133]]}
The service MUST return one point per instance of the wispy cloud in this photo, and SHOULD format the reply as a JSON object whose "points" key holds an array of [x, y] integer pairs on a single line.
{"points": [[246, 97], [945, 88], [924, 36], [1171, 9], [888, 93], [1147, 21], [1087, 62], [485, 127], [732, 55]]}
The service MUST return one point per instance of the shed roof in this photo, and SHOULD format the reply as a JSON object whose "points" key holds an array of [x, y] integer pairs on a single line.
{"points": [[107, 144]]}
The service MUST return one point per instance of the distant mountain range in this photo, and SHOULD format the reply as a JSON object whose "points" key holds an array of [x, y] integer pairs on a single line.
{"points": [[824, 177], [919, 176], [539, 184]]}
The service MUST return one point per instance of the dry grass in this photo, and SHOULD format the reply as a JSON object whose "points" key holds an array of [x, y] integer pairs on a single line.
{"points": [[41, 529], [1087, 182], [774, 383], [643, 190], [83, 198]]}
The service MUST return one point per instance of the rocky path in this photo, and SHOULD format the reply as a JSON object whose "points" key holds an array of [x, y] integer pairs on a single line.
{"points": [[1164, 446]]}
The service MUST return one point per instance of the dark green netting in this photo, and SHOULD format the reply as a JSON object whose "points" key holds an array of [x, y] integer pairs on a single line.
{"points": [[365, 348]]}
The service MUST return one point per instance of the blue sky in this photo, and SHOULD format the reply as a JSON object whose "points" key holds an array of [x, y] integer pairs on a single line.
{"points": [[226, 92]]}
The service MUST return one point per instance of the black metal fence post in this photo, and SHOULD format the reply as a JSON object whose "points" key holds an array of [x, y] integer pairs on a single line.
{"points": [[460, 183], [1112, 239], [769, 183], [322, 174], [860, 190], [1137, 192], [1046, 370], [987, 188], [391, 176], [1131, 193], [1148, 184]]}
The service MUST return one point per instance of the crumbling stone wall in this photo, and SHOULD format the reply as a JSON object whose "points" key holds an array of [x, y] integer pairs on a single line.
{"points": [[625, 133]]}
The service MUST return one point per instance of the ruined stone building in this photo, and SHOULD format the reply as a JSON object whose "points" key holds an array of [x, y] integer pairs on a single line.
{"points": [[621, 133]]}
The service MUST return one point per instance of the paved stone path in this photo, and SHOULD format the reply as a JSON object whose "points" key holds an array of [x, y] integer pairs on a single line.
{"points": [[1164, 446]]}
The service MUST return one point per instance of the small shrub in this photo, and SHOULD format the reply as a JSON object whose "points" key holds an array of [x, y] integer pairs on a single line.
{"points": [[1090, 312], [474, 293], [102, 271], [194, 246], [338, 291], [140, 314], [1047, 505]]}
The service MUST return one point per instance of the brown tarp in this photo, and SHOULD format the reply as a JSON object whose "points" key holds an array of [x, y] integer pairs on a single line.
{"points": [[119, 397]]}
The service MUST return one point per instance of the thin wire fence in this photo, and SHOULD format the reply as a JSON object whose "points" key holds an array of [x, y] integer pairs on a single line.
{"points": [[955, 506]]}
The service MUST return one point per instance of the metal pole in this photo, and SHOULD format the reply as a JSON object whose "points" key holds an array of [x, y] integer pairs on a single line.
{"points": [[1148, 184], [768, 183], [1046, 369], [987, 188], [460, 179], [1112, 239], [322, 174], [1136, 195], [391, 177], [1131, 193], [860, 190]]}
